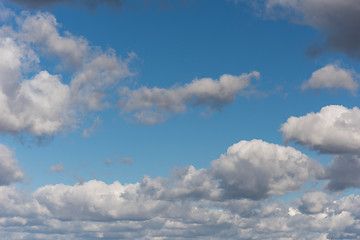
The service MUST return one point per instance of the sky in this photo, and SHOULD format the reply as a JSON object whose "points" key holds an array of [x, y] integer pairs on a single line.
{"points": [[182, 119]]}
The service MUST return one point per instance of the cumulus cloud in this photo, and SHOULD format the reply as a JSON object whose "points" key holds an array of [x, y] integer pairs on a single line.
{"points": [[248, 170], [338, 20], [315, 202], [332, 76], [9, 170], [335, 129], [257, 169], [96, 210], [35, 101], [153, 105], [216, 202]]}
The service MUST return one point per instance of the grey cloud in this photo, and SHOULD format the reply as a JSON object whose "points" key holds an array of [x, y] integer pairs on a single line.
{"points": [[335, 129], [35, 101], [9, 170], [337, 20], [343, 172], [111, 4], [332, 76], [154, 105]]}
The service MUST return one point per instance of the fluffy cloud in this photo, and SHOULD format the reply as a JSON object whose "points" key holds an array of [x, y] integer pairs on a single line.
{"points": [[315, 202], [248, 170], [257, 169], [337, 19], [9, 170], [96, 210], [220, 202], [335, 129], [32, 99], [332, 76], [153, 105]]}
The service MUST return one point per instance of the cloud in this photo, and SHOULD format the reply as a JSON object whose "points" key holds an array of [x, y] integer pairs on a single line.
{"points": [[36, 4], [343, 172], [337, 20], [9, 170], [332, 76], [127, 160], [154, 105], [96, 210], [335, 129], [315, 202], [89, 131], [258, 169], [248, 170], [57, 168], [219, 202], [35, 101], [111, 4]]}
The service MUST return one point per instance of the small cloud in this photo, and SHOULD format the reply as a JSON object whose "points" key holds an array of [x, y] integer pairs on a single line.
{"points": [[127, 160], [332, 77], [90, 131], [124, 160], [57, 168]]}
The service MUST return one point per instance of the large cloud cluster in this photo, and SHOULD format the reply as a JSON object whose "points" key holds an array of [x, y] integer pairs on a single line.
{"points": [[96, 210], [333, 130], [37, 101]]}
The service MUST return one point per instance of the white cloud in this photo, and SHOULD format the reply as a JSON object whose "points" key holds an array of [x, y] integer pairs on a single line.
{"points": [[35, 101], [216, 202], [9, 170], [153, 105], [257, 169], [332, 76], [315, 202], [248, 170], [114, 211], [335, 129]]}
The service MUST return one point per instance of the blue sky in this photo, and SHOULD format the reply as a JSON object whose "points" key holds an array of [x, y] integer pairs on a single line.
{"points": [[179, 119]]}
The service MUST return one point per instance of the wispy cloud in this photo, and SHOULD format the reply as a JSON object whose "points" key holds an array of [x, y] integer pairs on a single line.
{"points": [[57, 168], [154, 105]]}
